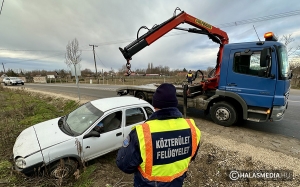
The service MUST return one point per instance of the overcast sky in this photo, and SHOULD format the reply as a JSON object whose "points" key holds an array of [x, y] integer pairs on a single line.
{"points": [[34, 34]]}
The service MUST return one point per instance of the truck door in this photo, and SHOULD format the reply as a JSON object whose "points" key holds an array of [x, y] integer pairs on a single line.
{"points": [[247, 77]]}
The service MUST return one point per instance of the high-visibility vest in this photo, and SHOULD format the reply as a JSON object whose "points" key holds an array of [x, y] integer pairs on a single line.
{"points": [[167, 147], [190, 75]]}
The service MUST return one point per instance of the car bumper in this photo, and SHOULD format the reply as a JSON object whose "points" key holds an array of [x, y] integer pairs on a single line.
{"points": [[278, 112]]}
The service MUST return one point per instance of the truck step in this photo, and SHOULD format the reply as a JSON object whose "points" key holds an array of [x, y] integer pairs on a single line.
{"points": [[253, 119], [258, 111]]}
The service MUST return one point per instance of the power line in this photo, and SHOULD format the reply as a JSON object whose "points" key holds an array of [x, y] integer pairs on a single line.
{"points": [[35, 50], [1, 6], [100, 60], [224, 25], [40, 58], [230, 24], [259, 19]]}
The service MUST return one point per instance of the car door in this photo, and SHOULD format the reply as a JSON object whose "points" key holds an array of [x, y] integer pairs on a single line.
{"points": [[111, 136], [246, 77], [133, 116]]}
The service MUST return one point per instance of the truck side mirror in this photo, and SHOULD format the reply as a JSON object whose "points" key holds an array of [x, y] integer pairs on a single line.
{"points": [[291, 75], [265, 57]]}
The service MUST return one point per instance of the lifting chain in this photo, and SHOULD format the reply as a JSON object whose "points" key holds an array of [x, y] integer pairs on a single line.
{"points": [[128, 66]]}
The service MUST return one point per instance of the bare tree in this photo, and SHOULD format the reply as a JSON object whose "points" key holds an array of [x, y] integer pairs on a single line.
{"points": [[292, 50], [73, 58], [73, 54], [294, 62]]}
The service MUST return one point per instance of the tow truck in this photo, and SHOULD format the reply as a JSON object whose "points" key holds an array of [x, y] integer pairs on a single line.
{"points": [[251, 80]]}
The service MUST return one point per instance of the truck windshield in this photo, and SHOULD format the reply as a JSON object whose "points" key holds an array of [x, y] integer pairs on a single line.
{"points": [[283, 62]]}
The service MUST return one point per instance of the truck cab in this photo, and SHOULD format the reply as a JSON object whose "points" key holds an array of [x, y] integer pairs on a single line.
{"points": [[257, 75]]}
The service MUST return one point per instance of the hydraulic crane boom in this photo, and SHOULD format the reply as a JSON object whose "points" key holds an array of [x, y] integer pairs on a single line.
{"points": [[158, 31]]}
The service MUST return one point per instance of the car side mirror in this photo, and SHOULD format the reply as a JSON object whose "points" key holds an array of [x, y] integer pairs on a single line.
{"points": [[91, 134], [265, 57]]}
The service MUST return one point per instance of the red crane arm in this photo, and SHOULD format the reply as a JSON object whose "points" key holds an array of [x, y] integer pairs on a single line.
{"points": [[186, 18], [158, 31]]}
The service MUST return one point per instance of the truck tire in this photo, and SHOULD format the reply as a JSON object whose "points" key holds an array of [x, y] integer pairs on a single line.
{"points": [[141, 95], [224, 114]]}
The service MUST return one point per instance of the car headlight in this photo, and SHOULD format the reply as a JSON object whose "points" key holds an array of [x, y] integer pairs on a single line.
{"points": [[20, 162]]}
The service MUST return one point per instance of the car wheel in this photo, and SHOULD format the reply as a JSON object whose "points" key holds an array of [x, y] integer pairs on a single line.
{"points": [[22, 83], [141, 95], [224, 114], [5, 84], [63, 169]]}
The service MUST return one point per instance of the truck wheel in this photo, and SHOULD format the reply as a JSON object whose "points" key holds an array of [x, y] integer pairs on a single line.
{"points": [[223, 113], [63, 169], [141, 95]]}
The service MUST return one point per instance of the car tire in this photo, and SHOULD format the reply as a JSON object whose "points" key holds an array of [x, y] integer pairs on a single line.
{"points": [[5, 84], [22, 83], [141, 95], [224, 114], [63, 169]]}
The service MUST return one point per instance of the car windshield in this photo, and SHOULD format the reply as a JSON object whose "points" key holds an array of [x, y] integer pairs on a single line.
{"points": [[284, 63], [83, 117]]}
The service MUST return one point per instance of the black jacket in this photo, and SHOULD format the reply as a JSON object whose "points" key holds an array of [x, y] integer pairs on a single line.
{"points": [[129, 157]]}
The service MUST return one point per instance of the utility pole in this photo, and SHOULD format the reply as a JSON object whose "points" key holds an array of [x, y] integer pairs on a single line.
{"points": [[3, 67], [95, 61]]}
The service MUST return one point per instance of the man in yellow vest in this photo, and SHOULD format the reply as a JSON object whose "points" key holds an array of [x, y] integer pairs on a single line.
{"points": [[189, 77], [160, 150]]}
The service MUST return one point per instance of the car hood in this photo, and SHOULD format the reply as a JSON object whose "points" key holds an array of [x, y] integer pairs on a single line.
{"points": [[26, 143], [39, 137], [49, 134]]}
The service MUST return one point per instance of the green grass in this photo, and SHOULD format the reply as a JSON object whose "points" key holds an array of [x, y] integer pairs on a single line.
{"points": [[85, 177]]}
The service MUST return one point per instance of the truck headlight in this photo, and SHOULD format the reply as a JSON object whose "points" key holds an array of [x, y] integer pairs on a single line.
{"points": [[20, 162]]}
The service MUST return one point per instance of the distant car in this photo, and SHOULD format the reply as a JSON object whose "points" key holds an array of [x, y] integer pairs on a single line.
{"points": [[12, 81], [94, 129]]}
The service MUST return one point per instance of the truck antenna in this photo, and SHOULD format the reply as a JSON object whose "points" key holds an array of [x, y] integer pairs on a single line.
{"points": [[256, 33]]}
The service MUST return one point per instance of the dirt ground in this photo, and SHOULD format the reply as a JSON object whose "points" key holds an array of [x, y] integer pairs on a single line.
{"points": [[222, 149]]}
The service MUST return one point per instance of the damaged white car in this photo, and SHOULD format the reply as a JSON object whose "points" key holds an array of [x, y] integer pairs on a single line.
{"points": [[94, 129]]}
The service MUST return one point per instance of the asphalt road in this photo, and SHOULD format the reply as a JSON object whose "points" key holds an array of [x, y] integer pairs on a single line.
{"points": [[289, 126]]}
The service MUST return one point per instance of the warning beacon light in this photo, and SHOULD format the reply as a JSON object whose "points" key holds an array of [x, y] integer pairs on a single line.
{"points": [[270, 36]]}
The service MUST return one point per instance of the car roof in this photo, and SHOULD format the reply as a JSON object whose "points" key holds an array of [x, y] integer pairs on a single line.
{"points": [[117, 102]]}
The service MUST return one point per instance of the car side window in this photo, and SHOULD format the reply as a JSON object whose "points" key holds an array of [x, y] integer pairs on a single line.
{"points": [[134, 115], [249, 64], [110, 122], [149, 111]]}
